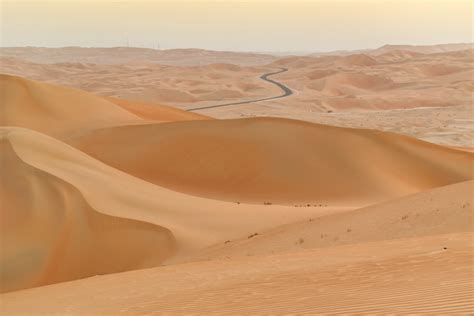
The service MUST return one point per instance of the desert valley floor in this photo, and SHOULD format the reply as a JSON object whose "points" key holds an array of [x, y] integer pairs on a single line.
{"points": [[139, 181]]}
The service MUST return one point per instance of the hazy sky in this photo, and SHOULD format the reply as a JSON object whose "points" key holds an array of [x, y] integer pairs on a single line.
{"points": [[258, 25]]}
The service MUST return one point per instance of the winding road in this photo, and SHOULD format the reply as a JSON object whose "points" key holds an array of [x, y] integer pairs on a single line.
{"points": [[286, 92]]}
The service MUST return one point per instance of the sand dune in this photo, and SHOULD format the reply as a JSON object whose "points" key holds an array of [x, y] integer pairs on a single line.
{"points": [[56, 110], [440, 70], [397, 55], [240, 215], [403, 276], [318, 74], [276, 160], [149, 83], [424, 49], [444, 210], [225, 66], [395, 78], [357, 60], [338, 83], [60, 111], [156, 112], [121, 55], [50, 233], [76, 204]]}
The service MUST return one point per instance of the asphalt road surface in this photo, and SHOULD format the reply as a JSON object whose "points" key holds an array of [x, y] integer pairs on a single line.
{"points": [[286, 92]]}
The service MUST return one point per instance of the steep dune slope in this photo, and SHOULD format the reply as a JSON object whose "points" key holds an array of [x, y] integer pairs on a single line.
{"points": [[50, 233], [56, 110], [60, 210], [448, 209], [61, 112], [277, 160]]}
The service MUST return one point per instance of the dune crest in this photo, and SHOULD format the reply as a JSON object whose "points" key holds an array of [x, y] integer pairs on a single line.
{"points": [[50, 233], [156, 112], [56, 110], [62, 112], [444, 210], [83, 200], [284, 161]]}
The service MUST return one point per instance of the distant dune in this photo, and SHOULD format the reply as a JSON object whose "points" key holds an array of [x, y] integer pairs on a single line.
{"points": [[424, 49], [357, 60], [401, 77], [119, 55], [337, 83]]}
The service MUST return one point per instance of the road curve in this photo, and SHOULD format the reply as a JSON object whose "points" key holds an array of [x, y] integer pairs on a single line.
{"points": [[286, 92]]}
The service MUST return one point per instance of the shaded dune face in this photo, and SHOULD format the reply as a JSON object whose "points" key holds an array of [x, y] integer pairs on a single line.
{"points": [[277, 160], [50, 233]]}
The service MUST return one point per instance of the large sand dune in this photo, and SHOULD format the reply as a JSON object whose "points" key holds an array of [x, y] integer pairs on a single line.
{"points": [[242, 215], [60, 111], [54, 110], [50, 233], [444, 210], [71, 201], [276, 160]]}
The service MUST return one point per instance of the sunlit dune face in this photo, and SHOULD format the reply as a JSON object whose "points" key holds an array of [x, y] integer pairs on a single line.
{"points": [[260, 25]]}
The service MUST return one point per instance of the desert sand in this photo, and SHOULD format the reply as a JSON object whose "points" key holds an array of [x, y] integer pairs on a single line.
{"points": [[420, 91], [352, 195]]}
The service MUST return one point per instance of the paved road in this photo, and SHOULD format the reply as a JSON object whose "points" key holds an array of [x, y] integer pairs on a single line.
{"points": [[286, 92]]}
